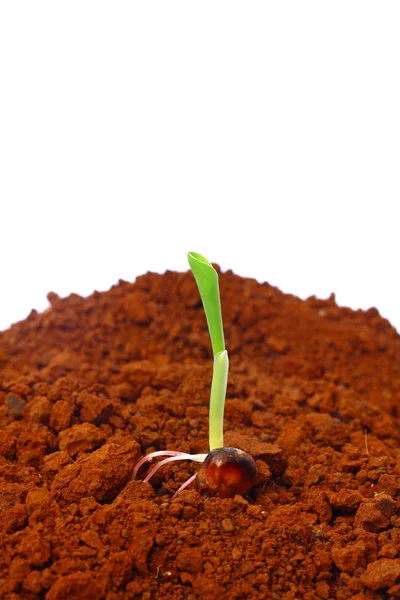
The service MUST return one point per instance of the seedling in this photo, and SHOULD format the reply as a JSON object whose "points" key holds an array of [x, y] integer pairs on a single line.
{"points": [[224, 471]]}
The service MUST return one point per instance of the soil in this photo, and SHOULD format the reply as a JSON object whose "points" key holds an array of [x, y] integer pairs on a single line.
{"points": [[91, 384]]}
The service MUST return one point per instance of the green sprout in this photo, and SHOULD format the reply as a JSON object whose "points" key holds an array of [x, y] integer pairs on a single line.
{"points": [[224, 471], [207, 281]]}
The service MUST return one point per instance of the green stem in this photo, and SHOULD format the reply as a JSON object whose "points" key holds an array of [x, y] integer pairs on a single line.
{"points": [[217, 400]]}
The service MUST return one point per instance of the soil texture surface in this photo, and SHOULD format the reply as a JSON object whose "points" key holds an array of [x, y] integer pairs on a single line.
{"points": [[91, 385]]}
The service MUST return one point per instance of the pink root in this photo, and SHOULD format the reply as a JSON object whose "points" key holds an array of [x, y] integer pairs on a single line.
{"points": [[185, 485], [150, 457], [172, 456], [181, 456]]}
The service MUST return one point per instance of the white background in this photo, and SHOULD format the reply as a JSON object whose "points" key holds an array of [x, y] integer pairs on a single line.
{"points": [[264, 135]]}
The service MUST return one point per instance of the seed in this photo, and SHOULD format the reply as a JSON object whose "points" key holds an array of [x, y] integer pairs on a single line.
{"points": [[226, 472]]}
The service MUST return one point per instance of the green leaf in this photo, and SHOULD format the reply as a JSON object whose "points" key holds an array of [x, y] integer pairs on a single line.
{"points": [[207, 281]]}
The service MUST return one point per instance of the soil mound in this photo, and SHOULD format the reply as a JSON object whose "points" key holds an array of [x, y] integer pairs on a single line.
{"points": [[91, 384]]}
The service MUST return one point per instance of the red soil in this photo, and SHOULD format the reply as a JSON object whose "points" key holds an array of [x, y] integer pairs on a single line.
{"points": [[91, 384]]}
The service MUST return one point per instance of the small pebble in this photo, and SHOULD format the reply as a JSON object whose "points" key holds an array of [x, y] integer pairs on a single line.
{"points": [[227, 525], [15, 404]]}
